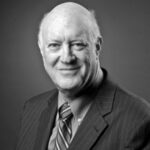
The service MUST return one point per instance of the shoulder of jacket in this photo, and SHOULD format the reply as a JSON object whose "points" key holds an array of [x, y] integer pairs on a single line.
{"points": [[132, 103], [42, 98]]}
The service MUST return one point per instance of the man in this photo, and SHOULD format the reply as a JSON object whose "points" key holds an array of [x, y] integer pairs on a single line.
{"points": [[87, 111]]}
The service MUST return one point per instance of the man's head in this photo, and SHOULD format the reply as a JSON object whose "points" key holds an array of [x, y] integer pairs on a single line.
{"points": [[70, 43]]}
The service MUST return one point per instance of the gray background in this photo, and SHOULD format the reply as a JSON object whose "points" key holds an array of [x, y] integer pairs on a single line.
{"points": [[125, 26]]}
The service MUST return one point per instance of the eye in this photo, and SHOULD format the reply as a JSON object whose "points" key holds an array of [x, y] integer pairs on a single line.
{"points": [[54, 46], [78, 45]]}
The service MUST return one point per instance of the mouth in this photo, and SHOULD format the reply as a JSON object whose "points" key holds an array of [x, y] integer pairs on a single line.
{"points": [[69, 69]]}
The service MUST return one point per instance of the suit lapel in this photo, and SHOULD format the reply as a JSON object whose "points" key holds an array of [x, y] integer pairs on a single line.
{"points": [[46, 123], [94, 124], [90, 129]]}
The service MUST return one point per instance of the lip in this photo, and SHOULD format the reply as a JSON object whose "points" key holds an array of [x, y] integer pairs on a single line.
{"points": [[69, 69]]}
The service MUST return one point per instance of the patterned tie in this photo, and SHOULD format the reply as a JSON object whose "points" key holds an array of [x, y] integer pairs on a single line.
{"points": [[64, 129]]}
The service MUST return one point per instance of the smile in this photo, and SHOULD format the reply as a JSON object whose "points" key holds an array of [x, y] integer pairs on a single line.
{"points": [[69, 69]]}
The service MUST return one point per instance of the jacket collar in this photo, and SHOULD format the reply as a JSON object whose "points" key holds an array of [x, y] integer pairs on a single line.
{"points": [[46, 123], [105, 96]]}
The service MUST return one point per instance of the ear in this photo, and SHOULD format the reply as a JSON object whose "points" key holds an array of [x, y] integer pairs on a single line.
{"points": [[98, 45]]}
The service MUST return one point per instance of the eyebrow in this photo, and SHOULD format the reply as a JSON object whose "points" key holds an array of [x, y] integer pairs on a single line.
{"points": [[76, 40], [53, 40], [70, 40]]}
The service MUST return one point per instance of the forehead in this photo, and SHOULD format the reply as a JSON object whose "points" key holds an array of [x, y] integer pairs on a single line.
{"points": [[65, 25]]}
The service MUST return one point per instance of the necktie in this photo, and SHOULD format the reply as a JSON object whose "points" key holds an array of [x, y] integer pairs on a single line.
{"points": [[64, 128]]}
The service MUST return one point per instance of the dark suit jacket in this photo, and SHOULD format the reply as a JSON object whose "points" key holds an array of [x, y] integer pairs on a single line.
{"points": [[116, 120]]}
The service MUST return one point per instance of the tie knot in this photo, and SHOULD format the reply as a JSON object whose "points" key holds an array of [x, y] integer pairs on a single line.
{"points": [[65, 112]]}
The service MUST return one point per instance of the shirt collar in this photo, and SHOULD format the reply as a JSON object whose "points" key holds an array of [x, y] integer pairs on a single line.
{"points": [[79, 107]]}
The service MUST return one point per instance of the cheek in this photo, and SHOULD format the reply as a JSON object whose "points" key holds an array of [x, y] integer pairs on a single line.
{"points": [[89, 62], [85, 61], [50, 59], [49, 64], [83, 56], [88, 58]]}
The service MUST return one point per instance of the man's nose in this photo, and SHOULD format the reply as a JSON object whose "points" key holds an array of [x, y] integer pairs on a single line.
{"points": [[67, 55]]}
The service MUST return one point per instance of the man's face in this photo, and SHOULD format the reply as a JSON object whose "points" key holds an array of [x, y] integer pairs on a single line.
{"points": [[69, 55]]}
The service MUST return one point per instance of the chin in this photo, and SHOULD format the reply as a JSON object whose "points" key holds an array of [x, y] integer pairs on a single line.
{"points": [[68, 85]]}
